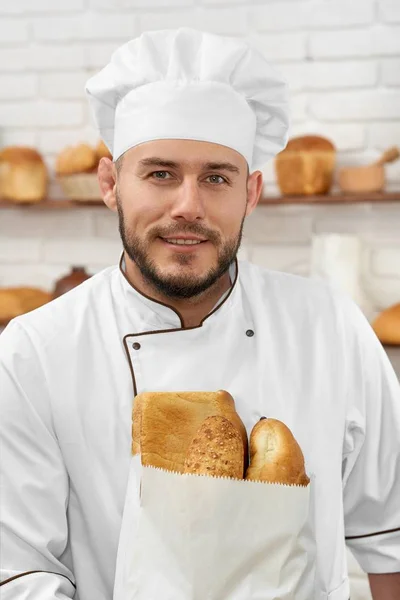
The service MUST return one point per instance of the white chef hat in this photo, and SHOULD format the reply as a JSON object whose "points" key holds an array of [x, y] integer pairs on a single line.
{"points": [[186, 84]]}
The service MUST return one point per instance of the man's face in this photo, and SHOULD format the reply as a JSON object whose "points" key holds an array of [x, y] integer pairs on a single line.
{"points": [[181, 206]]}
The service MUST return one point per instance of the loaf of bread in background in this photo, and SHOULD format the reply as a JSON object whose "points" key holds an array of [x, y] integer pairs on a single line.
{"points": [[166, 423], [306, 166], [216, 450], [20, 300], [23, 174], [387, 326], [76, 159], [275, 455]]}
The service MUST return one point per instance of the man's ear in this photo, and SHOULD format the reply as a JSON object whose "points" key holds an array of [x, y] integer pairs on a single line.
{"points": [[107, 177], [254, 189]]}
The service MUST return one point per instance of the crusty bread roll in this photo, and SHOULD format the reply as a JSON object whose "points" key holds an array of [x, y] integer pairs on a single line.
{"points": [[165, 424], [275, 456], [23, 174], [76, 159], [387, 326], [20, 300], [217, 450], [306, 165]]}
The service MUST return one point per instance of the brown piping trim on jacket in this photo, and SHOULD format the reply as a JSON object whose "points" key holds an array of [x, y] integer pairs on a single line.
{"points": [[166, 330], [31, 572], [357, 537], [145, 295], [174, 309]]}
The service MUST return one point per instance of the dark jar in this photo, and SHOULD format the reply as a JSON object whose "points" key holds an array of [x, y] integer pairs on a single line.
{"points": [[76, 276]]}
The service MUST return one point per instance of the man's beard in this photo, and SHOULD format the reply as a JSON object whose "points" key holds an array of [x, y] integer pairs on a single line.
{"points": [[182, 285]]}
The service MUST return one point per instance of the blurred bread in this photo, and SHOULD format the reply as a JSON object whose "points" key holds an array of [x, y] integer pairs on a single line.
{"points": [[217, 450], [275, 455], [76, 159], [387, 326], [23, 174], [20, 300], [102, 151], [166, 423], [306, 165]]}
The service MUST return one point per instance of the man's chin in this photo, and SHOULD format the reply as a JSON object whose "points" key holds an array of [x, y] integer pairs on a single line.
{"points": [[180, 285]]}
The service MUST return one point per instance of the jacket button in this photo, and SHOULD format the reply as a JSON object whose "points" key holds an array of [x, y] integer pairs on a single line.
{"points": [[249, 333], [136, 346]]}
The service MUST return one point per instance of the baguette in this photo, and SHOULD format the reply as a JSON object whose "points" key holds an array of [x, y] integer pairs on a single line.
{"points": [[275, 455]]}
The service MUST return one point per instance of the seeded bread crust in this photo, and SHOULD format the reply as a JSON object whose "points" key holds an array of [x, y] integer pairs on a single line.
{"points": [[216, 450]]}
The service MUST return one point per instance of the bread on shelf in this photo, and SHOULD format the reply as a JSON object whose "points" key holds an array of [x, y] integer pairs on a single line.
{"points": [[387, 326], [305, 166], [76, 170], [76, 159], [23, 175], [16, 301]]}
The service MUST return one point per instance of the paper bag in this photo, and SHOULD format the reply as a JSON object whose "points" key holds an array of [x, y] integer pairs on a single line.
{"points": [[193, 537]]}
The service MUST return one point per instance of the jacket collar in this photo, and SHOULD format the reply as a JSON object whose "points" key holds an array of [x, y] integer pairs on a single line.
{"points": [[158, 315]]}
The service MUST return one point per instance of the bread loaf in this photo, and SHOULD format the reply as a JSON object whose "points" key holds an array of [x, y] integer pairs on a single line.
{"points": [[23, 174], [387, 326], [165, 424], [216, 450], [275, 455], [305, 166], [20, 300], [76, 159]]}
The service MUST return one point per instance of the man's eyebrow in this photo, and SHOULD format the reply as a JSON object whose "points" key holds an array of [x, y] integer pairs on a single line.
{"points": [[221, 166], [155, 161]]}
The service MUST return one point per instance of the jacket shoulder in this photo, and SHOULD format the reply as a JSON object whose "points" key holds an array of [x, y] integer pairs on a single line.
{"points": [[61, 314]]}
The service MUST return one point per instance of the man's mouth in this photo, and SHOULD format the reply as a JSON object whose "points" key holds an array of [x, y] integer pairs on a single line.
{"points": [[184, 241]]}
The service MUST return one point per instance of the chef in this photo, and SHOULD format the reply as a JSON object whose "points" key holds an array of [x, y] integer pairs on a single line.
{"points": [[189, 118]]}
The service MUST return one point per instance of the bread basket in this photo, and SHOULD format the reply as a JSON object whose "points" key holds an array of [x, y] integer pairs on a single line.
{"points": [[81, 187]]}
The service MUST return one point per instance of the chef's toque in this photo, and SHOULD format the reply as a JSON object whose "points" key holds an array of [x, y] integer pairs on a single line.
{"points": [[186, 84]]}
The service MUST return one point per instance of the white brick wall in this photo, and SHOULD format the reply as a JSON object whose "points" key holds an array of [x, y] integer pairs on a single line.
{"points": [[342, 62]]}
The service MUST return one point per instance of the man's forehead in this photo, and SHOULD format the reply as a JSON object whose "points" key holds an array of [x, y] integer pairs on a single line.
{"points": [[188, 154]]}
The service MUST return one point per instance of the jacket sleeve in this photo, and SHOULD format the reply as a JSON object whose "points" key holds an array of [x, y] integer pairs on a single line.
{"points": [[371, 453], [34, 496]]}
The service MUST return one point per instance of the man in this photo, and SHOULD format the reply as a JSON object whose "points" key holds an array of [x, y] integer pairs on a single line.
{"points": [[189, 118]]}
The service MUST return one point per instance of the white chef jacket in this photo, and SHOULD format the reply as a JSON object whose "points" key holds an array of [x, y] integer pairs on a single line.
{"points": [[284, 346]]}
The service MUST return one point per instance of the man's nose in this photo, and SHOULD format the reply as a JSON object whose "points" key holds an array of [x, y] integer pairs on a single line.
{"points": [[189, 202]]}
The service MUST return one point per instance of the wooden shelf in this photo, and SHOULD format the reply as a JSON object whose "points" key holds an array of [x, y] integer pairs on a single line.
{"points": [[332, 199], [64, 204], [49, 204]]}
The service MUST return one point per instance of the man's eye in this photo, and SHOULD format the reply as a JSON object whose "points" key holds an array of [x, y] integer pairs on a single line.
{"points": [[216, 179], [160, 174]]}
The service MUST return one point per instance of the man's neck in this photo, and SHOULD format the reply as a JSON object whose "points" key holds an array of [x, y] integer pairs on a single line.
{"points": [[192, 310]]}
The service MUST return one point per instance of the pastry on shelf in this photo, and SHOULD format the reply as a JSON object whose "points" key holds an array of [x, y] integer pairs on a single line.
{"points": [[76, 159], [23, 175], [305, 166], [76, 170], [16, 301], [387, 326]]}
